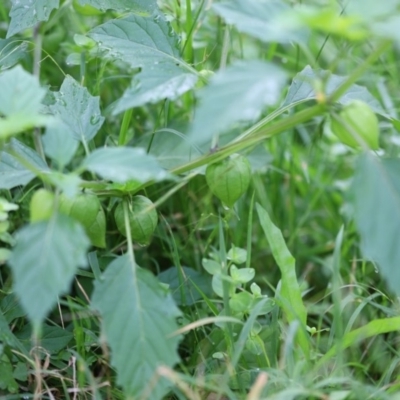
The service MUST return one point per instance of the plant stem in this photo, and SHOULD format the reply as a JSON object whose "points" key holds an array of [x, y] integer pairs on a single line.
{"points": [[189, 33], [359, 71], [128, 234], [124, 127], [257, 135], [37, 54]]}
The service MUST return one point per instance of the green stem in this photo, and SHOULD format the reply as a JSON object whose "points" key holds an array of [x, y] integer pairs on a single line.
{"points": [[189, 30], [124, 127], [359, 71], [37, 55], [256, 137], [128, 234]]}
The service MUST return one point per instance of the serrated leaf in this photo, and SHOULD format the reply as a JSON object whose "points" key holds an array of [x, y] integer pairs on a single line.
{"points": [[78, 110], [290, 293], [11, 51], [376, 200], [59, 144], [121, 164], [147, 6], [153, 84], [137, 314], [262, 19], [151, 44], [236, 94], [302, 90], [27, 13], [12, 172], [44, 261], [138, 41]]}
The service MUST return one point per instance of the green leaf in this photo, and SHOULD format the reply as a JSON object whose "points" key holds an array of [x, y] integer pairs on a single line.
{"points": [[376, 202], [236, 94], [152, 85], [27, 13], [7, 381], [137, 314], [20, 102], [58, 144], [262, 19], [78, 110], [53, 338], [290, 293], [381, 18], [147, 6], [241, 302], [12, 172], [8, 338], [121, 164], [183, 291], [303, 88], [44, 261], [211, 266], [11, 51], [242, 275], [20, 93], [237, 255], [151, 44]]}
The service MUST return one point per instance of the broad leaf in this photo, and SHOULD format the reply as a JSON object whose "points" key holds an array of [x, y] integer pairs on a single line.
{"points": [[147, 6], [150, 44], [376, 203], [262, 19], [45, 260], [20, 92], [152, 85], [20, 102], [53, 338], [59, 144], [78, 110], [302, 89], [121, 164], [183, 284], [236, 94], [12, 172], [139, 321], [290, 293], [27, 13], [11, 51]]}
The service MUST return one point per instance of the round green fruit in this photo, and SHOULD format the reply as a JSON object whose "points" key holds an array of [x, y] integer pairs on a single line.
{"points": [[357, 119], [86, 209], [229, 179], [41, 206], [143, 219]]}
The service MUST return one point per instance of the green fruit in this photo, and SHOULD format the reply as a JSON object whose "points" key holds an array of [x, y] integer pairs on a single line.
{"points": [[229, 179], [357, 118], [142, 221], [86, 209], [41, 206]]}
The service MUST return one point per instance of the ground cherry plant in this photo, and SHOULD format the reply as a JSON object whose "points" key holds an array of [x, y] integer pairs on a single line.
{"points": [[199, 199]]}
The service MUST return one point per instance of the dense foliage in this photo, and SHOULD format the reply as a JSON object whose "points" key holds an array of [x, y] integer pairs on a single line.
{"points": [[199, 199]]}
